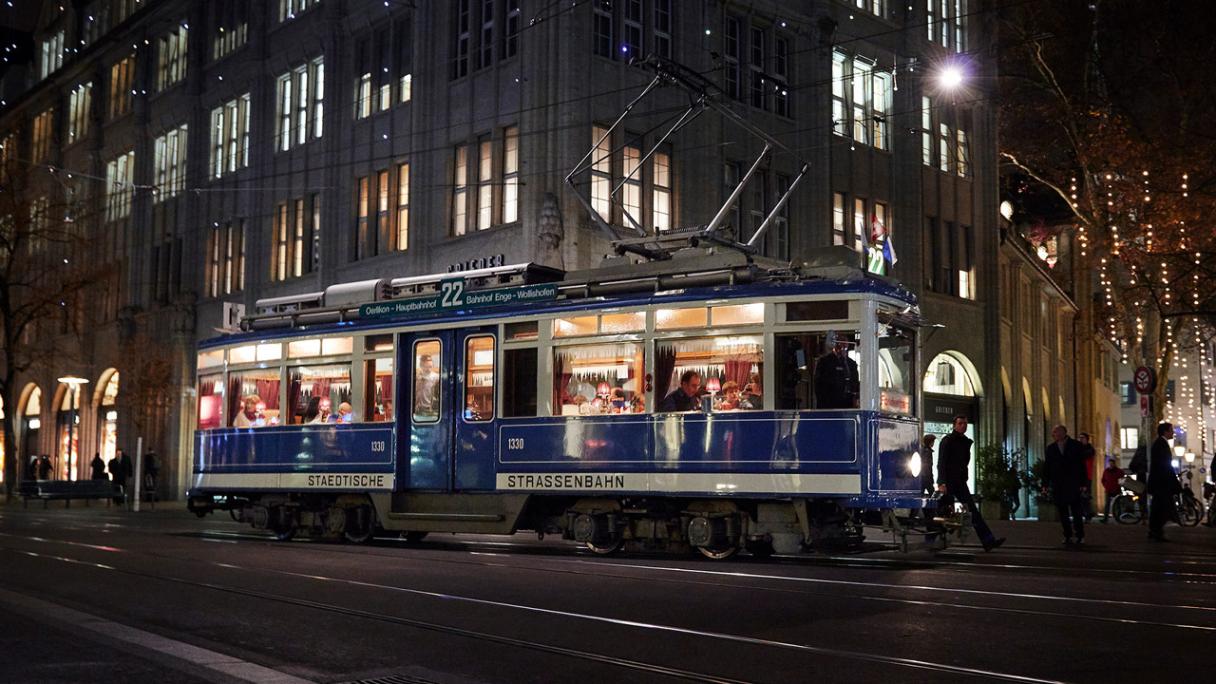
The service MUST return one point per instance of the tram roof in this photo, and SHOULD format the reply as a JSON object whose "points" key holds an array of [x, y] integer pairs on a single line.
{"points": [[875, 287]]}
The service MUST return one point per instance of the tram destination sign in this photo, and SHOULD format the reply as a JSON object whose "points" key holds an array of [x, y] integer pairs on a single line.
{"points": [[453, 296]]}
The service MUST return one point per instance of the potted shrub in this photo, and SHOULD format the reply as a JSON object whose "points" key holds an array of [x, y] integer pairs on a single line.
{"points": [[1041, 493], [998, 482]]}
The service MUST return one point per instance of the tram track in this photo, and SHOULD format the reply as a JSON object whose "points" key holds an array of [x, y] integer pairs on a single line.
{"points": [[635, 665]]}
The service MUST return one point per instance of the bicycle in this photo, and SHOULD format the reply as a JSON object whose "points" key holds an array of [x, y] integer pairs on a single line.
{"points": [[1127, 506], [1190, 508]]}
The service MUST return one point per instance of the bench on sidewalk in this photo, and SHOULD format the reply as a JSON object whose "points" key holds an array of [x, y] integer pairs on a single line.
{"points": [[68, 490]]}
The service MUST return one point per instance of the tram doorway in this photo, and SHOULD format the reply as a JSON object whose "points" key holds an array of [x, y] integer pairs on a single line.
{"points": [[448, 413]]}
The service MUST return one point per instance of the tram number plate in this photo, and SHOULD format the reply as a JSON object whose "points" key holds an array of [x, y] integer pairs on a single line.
{"points": [[515, 443], [451, 293], [378, 446]]}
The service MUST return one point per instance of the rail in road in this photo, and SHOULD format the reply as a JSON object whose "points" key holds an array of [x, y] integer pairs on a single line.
{"points": [[488, 609]]}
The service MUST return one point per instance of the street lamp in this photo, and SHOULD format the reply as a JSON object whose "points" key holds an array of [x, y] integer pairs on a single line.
{"points": [[73, 384], [950, 77]]}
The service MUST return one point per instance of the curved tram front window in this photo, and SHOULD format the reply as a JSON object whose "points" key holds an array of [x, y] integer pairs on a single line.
{"points": [[896, 369]]}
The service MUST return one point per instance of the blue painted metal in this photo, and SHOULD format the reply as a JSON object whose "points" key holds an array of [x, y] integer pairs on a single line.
{"points": [[474, 458], [427, 446], [339, 448]]}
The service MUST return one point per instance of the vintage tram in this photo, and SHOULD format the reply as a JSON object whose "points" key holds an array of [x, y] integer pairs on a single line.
{"points": [[710, 401]]}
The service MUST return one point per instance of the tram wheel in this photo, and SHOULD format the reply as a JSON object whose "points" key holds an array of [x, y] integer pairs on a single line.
{"points": [[718, 554], [606, 548], [359, 528], [414, 537], [284, 532]]}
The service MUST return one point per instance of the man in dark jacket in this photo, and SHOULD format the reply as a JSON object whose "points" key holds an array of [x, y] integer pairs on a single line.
{"points": [[686, 397], [1162, 483], [1064, 472], [1139, 468], [953, 459], [836, 379]]}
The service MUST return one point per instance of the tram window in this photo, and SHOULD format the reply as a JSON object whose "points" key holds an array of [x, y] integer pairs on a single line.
{"points": [[623, 322], [817, 311], [812, 373], [245, 354], [270, 352], [598, 379], [336, 346], [526, 330], [479, 379], [427, 366], [728, 371], [896, 368], [575, 326], [674, 319], [320, 394], [378, 390], [211, 359], [253, 398], [519, 370], [303, 348], [378, 343], [210, 401], [738, 314]]}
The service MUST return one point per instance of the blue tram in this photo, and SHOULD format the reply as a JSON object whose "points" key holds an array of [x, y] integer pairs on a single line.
{"points": [[713, 403]]}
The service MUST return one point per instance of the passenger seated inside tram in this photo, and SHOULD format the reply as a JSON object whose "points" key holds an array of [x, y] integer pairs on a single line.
{"points": [[322, 411], [686, 397], [346, 413], [251, 413], [750, 398], [730, 399]]}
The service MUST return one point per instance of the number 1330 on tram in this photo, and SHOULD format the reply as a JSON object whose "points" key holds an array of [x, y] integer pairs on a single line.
{"points": [[713, 403]]}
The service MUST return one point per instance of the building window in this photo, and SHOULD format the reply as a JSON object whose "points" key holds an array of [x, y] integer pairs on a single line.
{"points": [[405, 79], [944, 23], [632, 198], [362, 207], [781, 222], [878, 7], [485, 187], [226, 258], [486, 48], [122, 74], [80, 103], [757, 204], [300, 96], [119, 187], [943, 147], [384, 80], [510, 175], [460, 191], [962, 156], [1129, 438], [868, 94], [781, 95], [231, 26], [1127, 394], [460, 63], [403, 207], [759, 89], [383, 191], [40, 221], [601, 173], [171, 58], [511, 45], [43, 132], [839, 220], [966, 270], [363, 96], [288, 9], [170, 164], [660, 202], [230, 136], [859, 224], [8, 156], [50, 55], [926, 131], [602, 28], [732, 53], [662, 28], [732, 172], [296, 237], [632, 46], [840, 120]]}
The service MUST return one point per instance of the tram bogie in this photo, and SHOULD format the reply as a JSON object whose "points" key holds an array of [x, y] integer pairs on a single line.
{"points": [[759, 408]]}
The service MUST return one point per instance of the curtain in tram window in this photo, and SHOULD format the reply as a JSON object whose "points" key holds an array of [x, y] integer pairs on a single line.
{"points": [[268, 390], [738, 369], [235, 397], [664, 367]]}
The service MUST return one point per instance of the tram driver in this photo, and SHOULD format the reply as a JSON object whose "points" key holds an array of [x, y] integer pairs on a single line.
{"points": [[836, 379], [686, 397]]}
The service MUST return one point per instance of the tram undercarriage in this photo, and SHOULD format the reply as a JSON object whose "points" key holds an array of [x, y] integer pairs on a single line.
{"points": [[715, 528]]}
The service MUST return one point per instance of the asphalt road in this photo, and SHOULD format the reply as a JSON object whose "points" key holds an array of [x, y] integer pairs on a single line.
{"points": [[97, 594]]}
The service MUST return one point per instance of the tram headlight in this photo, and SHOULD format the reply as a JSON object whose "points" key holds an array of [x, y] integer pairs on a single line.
{"points": [[914, 464]]}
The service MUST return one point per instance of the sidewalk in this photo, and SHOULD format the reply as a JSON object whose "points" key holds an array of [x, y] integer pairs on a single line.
{"points": [[1111, 537]]}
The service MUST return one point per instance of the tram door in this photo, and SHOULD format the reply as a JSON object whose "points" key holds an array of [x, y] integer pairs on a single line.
{"points": [[449, 394], [425, 426]]}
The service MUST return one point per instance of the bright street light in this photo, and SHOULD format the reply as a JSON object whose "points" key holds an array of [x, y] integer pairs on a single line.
{"points": [[950, 77]]}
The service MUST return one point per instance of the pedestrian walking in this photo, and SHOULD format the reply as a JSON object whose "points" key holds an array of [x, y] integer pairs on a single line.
{"points": [[120, 472], [1110, 484], [1139, 469], [99, 468], [1088, 455], [1064, 473], [1163, 483], [44, 468], [953, 459], [926, 464]]}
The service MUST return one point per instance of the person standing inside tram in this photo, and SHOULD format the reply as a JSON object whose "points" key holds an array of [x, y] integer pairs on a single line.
{"points": [[686, 397], [953, 460], [426, 388], [836, 379]]}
